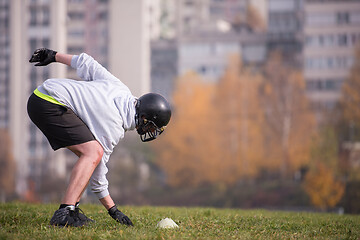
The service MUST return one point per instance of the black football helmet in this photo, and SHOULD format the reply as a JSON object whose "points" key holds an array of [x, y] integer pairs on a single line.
{"points": [[153, 113]]}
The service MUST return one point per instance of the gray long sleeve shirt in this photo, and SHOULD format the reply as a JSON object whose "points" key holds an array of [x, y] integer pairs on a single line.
{"points": [[103, 102]]}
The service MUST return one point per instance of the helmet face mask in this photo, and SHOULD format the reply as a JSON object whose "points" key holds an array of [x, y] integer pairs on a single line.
{"points": [[148, 130], [152, 115]]}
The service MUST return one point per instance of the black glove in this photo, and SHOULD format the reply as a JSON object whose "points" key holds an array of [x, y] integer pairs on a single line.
{"points": [[43, 56], [119, 216]]}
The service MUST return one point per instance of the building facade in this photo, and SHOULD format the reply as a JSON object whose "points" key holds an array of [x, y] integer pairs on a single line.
{"points": [[31, 24], [129, 41], [70, 26], [285, 29], [164, 67], [331, 31], [4, 63]]}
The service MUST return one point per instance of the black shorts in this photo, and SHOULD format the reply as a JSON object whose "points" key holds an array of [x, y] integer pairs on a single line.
{"points": [[61, 126]]}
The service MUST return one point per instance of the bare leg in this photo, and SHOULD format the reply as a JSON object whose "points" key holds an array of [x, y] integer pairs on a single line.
{"points": [[82, 192], [90, 154]]}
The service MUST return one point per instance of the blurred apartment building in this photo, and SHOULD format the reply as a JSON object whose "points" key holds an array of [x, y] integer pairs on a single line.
{"points": [[317, 37], [71, 26], [210, 31], [4, 63], [26, 25], [87, 30], [285, 29], [331, 33], [201, 37]]}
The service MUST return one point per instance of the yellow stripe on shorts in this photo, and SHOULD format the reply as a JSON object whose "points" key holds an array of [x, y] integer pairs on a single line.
{"points": [[47, 97]]}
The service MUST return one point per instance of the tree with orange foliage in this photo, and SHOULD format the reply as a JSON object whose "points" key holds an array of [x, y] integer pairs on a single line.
{"points": [[224, 134], [216, 133], [322, 182], [241, 119], [322, 187], [7, 163], [289, 122], [188, 152]]}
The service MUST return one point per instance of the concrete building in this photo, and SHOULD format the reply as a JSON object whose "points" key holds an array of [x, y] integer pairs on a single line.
{"points": [[194, 16], [70, 26], [4, 63], [28, 25], [164, 67], [167, 20], [129, 41], [210, 31], [285, 26], [202, 39], [88, 30], [332, 30], [117, 35], [208, 54]]}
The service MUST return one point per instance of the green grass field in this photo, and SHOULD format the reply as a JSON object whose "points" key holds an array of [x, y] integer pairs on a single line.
{"points": [[31, 221]]}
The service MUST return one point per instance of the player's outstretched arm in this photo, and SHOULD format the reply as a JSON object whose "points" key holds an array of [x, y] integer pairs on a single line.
{"points": [[63, 58], [44, 56]]}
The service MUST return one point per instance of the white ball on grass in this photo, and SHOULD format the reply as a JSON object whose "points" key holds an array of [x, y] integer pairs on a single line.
{"points": [[167, 223]]}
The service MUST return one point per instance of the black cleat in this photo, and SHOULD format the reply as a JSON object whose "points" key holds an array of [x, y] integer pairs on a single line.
{"points": [[65, 217], [81, 215]]}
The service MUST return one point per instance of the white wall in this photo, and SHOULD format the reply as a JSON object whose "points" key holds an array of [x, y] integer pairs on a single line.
{"points": [[129, 50]]}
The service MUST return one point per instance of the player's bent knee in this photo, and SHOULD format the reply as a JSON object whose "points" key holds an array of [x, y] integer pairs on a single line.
{"points": [[99, 151], [92, 149], [95, 150]]}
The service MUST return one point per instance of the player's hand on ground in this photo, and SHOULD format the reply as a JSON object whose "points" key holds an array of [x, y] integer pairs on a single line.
{"points": [[119, 216], [43, 57]]}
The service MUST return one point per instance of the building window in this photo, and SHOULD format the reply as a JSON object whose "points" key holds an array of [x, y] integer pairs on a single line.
{"points": [[46, 16], [331, 62], [32, 140], [76, 33], [329, 40], [33, 13], [318, 19], [32, 45], [75, 50], [342, 41], [343, 18], [76, 15], [46, 43], [202, 70], [33, 79], [329, 85], [103, 15]]}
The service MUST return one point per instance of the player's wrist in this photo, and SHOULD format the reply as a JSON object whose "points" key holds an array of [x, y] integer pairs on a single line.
{"points": [[112, 210]]}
